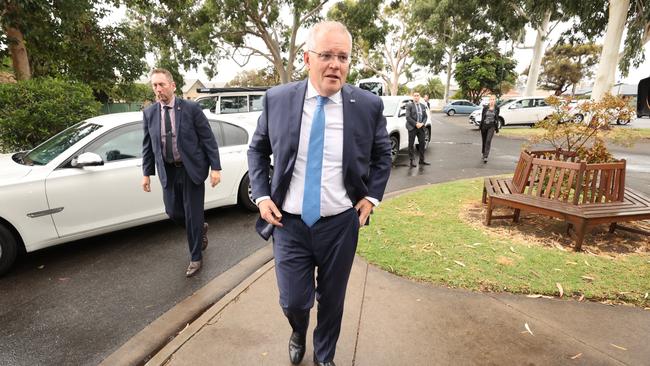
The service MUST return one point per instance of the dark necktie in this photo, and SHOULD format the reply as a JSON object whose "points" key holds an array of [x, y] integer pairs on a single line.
{"points": [[169, 142], [314, 168], [419, 112]]}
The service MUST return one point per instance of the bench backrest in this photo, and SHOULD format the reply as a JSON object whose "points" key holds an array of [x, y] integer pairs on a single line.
{"points": [[575, 182]]}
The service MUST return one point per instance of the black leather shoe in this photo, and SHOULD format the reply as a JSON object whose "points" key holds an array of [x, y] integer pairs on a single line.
{"points": [[296, 348], [204, 237], [328, 363], [424, 163], [412, 165]]}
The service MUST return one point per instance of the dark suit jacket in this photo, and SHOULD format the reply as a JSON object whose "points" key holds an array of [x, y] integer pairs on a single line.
{"points": [[366, 146], [483, 125], [196, 142], [412, 115]]}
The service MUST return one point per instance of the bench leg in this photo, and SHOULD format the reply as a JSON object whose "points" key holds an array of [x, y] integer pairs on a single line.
{"points": [[568, 228], [581, 228], [612, 227], [488, 213], [515, 217], [484, 199]]}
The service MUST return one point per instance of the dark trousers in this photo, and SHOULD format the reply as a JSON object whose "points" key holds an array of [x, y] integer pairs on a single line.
{"points": [[419, 132], [184, 205], [486, 138], [329, 245]]}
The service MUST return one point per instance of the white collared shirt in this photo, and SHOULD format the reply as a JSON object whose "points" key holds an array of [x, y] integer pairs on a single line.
{"points": [[334, 197]]}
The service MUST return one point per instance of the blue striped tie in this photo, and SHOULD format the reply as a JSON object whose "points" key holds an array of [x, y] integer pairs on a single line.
{"points": [[311, 197]]}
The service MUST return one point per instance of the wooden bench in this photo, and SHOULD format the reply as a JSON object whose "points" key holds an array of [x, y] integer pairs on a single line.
{"points": [[558, 186]]}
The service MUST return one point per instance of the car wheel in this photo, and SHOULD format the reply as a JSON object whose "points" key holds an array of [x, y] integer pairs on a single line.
{"points": [[8, 250], [451, 112], [246, 192], [394, 147], [578, 118]]}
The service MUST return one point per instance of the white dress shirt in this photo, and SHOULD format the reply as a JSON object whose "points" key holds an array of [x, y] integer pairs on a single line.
{"points": [[334, 197]]}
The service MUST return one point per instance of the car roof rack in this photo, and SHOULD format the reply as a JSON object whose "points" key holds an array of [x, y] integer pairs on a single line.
{"points": [[233, 89]]}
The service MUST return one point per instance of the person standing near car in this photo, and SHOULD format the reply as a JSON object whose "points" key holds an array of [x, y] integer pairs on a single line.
{"points": [[416, 116], [323, 189], [179, 143], [489, 125]]}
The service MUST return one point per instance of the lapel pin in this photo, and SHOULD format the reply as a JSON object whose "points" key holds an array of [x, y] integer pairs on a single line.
{"points": [[352, 101]]}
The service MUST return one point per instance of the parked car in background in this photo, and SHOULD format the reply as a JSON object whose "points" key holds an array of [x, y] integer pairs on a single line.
{"points": [[518, 111], [85, 181], [460, 107], [395, 113], [232, 100]]}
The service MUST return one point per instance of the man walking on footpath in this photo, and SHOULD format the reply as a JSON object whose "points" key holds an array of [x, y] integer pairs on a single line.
{"points": [[332, 161], [416, 116], [179, 143]]}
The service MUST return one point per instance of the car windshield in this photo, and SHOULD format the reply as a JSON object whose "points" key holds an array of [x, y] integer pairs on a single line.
{"points": [[503, 101], [50, 149], [390, 107]]}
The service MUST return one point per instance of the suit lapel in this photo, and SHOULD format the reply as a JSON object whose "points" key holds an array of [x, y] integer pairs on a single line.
{"points": [[178, 105], [296, 104], [349, 105], [155, 125]]}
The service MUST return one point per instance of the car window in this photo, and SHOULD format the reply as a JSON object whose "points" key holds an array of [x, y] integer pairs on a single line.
{"points": [[528, 103], [216, 130], [50, 149], [255, 103], [233, 135], [390, 106], [207, 103], [233, 104], [119, 144], [541, 103]]}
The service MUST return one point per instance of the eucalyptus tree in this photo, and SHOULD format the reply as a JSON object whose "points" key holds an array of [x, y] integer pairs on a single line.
{"points": [[384, 36], [189, 33]]}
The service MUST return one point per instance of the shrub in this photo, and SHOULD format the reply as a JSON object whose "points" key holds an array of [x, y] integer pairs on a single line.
{"points": [[588, 139], [34, 110]]}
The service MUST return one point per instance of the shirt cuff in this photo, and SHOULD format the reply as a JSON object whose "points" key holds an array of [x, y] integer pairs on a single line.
{"points": [[260, 199], [374, 201]]}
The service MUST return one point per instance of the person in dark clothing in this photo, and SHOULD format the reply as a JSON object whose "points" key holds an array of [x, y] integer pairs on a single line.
{"points": [[416, 117], [489, 125]]}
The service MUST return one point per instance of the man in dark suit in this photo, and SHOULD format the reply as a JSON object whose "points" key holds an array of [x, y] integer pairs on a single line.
{"points": [[179, 143], [332, 161], [416, 116]]}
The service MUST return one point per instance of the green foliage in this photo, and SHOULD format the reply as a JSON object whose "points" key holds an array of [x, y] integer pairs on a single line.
{"points": [[566, 64], [131, 93], [481, 69], [433, 88], [589, 138], [34, 110], [65, 39], [260, 77]]}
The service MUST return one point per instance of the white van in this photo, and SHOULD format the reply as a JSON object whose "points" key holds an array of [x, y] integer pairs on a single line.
{"points": [[232, 100]]}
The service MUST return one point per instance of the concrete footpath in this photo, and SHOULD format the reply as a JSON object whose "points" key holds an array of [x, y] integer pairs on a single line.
{"points": [[389, 320]]}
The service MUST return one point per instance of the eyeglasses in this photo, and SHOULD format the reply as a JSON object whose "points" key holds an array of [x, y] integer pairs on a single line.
{"points": [[328, 56]]}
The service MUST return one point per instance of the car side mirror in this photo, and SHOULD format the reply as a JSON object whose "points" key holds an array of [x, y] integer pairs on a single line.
{"points": [[86, 159]]}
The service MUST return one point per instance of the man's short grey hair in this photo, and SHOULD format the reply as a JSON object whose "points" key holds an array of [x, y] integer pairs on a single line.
{"points": [[325, 26]]}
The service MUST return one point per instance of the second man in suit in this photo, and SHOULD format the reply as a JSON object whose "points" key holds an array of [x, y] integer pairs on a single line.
{"points": [[179, 144], [416, 117], [331, 155]]}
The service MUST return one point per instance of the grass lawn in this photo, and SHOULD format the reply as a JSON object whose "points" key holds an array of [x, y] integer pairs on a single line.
{"points": [[524, 133], [421, 235]]}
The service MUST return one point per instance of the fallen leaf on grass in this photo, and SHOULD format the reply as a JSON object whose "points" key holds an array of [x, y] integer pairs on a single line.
{"points": [[619, 347], [391, 269], [512, 250], [537, 296], [460, 263], [646, 296], [528, 329], [536, 274], [587, 263], [582, 297], [557, 269], [438, 253], [573, 263], [412, 246], [448, 269], [576, 356], [559, 287], [587, 278]]}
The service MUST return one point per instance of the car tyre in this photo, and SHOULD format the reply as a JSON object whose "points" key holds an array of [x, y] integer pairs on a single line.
{"points": [[246, 193], [394, 147], [451, 112], [578, 118], [8, 250]]}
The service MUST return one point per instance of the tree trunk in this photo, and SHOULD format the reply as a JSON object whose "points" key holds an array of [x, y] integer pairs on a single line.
{"points": [[19, 59], [538, 52], [609, 55], [448, 85], [394, 82]]}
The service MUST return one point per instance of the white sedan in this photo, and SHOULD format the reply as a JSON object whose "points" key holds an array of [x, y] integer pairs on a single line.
{"points": [[395, 113], [85, 181]]}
